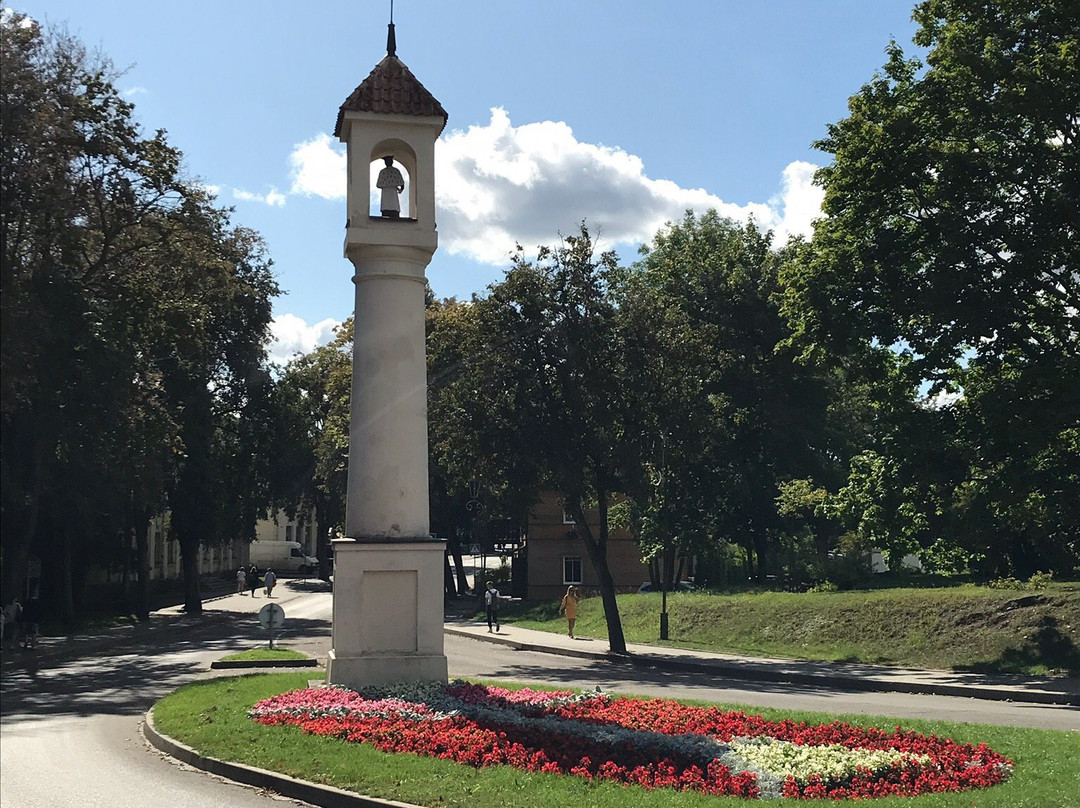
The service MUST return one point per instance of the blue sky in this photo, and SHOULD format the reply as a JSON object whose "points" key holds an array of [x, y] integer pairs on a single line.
{"points": [[624, 114]]}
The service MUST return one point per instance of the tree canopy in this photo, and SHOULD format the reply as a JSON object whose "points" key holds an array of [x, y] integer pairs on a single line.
{"points": [[950, 216], [135, 319]]}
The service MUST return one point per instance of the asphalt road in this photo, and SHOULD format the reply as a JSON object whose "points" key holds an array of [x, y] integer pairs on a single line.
{"points": [[69, 730]]}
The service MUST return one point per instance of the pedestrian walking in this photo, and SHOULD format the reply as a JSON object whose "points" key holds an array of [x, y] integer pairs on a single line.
{"points": [[12, 622], [269, 580], [491, 601], [253, 579], [569, 608], [241, 580], [31, 622]]}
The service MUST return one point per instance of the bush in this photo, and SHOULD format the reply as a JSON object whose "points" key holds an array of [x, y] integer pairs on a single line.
{"points": [[1040, 580]]}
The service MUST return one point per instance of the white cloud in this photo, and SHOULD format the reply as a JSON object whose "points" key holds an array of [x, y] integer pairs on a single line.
{"points": [[133, 91], [292, 335], [317, 168], [798, 203], [273, 197], [499, 185], [942, 399]]}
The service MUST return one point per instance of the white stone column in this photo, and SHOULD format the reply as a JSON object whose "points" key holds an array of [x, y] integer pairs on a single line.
{"points": [[388, 463], [388, 572]]}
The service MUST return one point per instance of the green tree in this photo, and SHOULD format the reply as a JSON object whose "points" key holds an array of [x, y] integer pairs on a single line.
{"points": [[951, 205], [81, 189], [951, 235], [134, 323], [462, 502], [1018, 446], [728, 413], [313, 407], [533, 393], [220, 287]]}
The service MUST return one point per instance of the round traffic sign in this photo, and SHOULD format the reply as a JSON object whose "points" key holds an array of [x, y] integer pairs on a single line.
{"points": [[271, 616]]}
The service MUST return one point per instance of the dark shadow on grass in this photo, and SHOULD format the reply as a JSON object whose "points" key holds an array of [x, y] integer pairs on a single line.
{"points": [[1049, 647]]}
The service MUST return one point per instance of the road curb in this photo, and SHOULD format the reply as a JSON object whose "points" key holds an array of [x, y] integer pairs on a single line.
{"points": [[752, 671], [265, 663], [314, 793]]}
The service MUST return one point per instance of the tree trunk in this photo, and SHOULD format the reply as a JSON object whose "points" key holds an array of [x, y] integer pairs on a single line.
{"points": [[65, 590], [597, 549], [761, 550], [125, 601], [323, 520], [142, 564], [654, 572], [751, 571], [18, 532], [19, 516], [449, 589], [454, 546], [189, 556]]}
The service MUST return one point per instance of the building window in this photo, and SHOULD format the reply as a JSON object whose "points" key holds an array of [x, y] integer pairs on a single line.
{"points": [[571, 569], [288, 532]]}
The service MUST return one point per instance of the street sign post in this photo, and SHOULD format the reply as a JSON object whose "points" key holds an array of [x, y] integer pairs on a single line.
{"points": [[271, 617]]}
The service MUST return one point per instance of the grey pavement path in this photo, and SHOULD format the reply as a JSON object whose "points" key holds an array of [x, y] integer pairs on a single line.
{"points": [[1002, 687], [169, 619]]}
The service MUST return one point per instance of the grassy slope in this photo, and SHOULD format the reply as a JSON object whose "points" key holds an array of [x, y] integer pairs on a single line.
{"points": [[967, 627], [211, 717]]}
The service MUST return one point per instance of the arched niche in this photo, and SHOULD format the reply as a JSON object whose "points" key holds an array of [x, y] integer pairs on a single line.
{"points": [[404, 161]]}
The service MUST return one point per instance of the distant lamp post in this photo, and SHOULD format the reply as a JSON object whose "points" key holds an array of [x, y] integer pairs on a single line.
{"points": [[475, 507], [659, 484], [663, 607]]}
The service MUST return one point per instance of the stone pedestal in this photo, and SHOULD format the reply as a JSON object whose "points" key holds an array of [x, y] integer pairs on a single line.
{"points": [[387, 626]]}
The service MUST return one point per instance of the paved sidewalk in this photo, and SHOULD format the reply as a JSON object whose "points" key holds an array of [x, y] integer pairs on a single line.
{"points": [[999, 687]]}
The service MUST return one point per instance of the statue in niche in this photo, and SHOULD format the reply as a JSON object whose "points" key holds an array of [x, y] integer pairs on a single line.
{"points": [[392, 183]]}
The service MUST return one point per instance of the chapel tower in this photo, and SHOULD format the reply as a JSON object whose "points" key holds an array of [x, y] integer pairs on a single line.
{"points": [[388, 571]]}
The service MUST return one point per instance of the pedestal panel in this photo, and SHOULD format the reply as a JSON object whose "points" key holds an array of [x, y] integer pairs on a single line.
{"points": [[388, 613]]}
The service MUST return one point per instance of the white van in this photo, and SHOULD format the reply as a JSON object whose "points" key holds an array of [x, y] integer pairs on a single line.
{"points": [[282, 556]]}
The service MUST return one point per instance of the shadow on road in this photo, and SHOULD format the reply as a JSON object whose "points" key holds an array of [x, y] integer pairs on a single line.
{"points": [[307, 585], [125, 671], [600, 673]]}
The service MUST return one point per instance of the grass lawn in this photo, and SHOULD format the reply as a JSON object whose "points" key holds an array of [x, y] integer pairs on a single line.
{"points": [[957, 628], [264, 655], [211, 717]]}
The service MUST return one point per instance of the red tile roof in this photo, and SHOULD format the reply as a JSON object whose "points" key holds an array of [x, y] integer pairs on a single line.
{"points": [[391, 88]]}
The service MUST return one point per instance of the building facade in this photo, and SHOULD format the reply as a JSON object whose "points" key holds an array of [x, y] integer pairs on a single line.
{"points": [[557, 558]]}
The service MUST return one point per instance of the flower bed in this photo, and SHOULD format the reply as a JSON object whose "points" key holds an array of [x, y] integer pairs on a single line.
{"points": [[655, 743]]}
